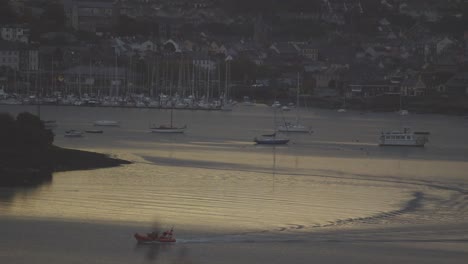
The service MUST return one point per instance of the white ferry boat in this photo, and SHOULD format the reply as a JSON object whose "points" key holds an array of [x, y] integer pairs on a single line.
{"points": [[404, 138]]}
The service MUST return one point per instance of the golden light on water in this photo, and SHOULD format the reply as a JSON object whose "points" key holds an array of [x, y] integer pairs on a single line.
{"points": [[214, 177], [254, 197]]}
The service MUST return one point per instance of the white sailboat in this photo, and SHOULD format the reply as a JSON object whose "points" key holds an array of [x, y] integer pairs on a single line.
{"points": [[227, 104], [297, 126], [168, 128]]}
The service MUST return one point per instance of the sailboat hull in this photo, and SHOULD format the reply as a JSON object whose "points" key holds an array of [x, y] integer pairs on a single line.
{"points": [[296, 129], [271, 141], [168, 130]]}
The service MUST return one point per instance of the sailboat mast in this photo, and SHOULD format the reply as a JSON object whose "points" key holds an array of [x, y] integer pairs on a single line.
{"points": [[274, 121], [297, 96], [172, 109]]}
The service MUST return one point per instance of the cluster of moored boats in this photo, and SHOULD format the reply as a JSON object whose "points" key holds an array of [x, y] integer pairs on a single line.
{"points": [[78, 133], [404, 137], [139, 101]]}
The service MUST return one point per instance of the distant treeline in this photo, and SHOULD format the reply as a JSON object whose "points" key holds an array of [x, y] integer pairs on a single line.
{"points": [[26, 131]]}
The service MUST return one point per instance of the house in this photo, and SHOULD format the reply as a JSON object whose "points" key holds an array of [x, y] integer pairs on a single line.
{"points": [[9, 55], [19, 57], [413, 86], [120, 47], [283, 54], [377, 52], [443, 44], [173, 46], [203, 61], [92, 16], [284, 49], [367, 79], [15, 33], [435, 81], [308, 51], [373, 88]]}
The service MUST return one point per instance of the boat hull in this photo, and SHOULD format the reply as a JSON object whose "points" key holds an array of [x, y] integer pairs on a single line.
{"points": [[402, 143], [168, 130], [271, 141], [94, 131], [143, 239], [294, 129], [107, 123], [73, 135]]}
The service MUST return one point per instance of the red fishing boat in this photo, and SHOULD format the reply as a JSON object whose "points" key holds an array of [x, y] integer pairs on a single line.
{"points": [[154, 237]]}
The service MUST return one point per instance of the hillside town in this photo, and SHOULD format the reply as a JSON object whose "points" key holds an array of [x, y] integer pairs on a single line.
{"points": [[365, 54]]}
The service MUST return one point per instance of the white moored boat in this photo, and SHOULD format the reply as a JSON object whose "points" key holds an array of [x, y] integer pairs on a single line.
{"points": [[296, 127], [106, 123], [168, 129], [73, 133], [404, 138], [289, 127]]}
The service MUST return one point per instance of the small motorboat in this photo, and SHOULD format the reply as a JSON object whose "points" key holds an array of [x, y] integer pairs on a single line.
{"points": [[154, 237]]}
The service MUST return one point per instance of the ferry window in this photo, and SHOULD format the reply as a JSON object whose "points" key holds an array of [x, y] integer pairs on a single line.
{"points": [[408, 137]]}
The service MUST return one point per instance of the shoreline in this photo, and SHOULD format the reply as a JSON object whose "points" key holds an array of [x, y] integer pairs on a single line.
{"points": [[29, 168], [387, 104], [377, 105]]}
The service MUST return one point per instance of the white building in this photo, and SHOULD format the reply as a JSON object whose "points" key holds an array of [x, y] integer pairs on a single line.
{"points": [[16, 33], [29, 59], [18, 57], [9, 55]]}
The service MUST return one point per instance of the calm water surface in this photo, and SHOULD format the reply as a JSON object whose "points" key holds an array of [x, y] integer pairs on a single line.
{"points": [[226, 195]]}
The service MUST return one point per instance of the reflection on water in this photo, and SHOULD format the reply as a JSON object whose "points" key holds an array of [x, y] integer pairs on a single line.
{"points": [[214, 178], [23, 184]]}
